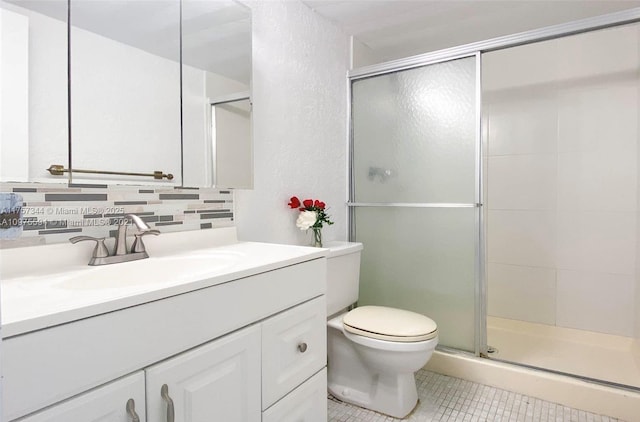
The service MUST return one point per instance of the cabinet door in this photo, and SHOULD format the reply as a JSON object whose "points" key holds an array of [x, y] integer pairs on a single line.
{"points": [[109, 403], [294, 347], [217, 381], [307, 403]]}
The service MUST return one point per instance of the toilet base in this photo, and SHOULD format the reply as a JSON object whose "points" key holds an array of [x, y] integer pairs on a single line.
{"points": [[393, 395]]}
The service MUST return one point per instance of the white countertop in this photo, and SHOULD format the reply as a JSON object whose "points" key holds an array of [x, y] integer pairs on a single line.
{"points": [[41, 299]]}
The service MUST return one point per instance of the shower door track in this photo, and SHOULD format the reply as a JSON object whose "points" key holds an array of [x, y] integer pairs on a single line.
{"points": [[547, 33], [414, 204]]}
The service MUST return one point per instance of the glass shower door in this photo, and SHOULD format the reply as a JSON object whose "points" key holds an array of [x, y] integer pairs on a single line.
{"points": [[415, 193]]}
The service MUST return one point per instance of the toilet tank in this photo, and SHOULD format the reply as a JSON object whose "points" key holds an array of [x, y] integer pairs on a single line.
{"points": [[343, 275]]}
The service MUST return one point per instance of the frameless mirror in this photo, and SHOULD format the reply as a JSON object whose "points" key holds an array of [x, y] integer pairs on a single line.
{"points": [[143, 76], [125, 89]]}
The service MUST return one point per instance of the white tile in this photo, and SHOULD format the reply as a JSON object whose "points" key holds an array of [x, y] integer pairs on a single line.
{"points": [[598, 53], [599, 117], [525, 238], [528, 65], [596, 302], [522, 182], [521, 122], [445, 398], [597, 241], [522, 293], [592, 181]]}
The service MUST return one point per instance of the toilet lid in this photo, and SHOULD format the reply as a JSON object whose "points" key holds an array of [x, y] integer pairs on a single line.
{"points": [[389, 324]]}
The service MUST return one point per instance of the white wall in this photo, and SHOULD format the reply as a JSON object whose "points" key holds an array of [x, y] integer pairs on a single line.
{"points": [[14, 96], [562, 167], [299, 92]]}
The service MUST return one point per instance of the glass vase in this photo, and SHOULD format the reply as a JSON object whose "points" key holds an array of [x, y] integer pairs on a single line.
{"points": [[317, 237]]}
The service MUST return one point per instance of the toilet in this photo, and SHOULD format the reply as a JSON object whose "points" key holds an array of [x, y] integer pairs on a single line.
{"points": [[373, 352]]}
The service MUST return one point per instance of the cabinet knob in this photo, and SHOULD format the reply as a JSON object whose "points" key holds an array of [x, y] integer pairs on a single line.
{"points": [[302, 347], [171, 413], [131, 411]]}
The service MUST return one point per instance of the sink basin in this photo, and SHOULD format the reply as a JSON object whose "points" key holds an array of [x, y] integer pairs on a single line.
{"points": [[154, 270]]}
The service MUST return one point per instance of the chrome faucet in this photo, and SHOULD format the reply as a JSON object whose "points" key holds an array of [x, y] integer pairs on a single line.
{"points": [[121, 253]]}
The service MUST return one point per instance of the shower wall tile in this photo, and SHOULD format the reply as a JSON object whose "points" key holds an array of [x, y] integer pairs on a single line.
{"points": [[597, 241], [522, 122], [599, 116], [526, 66], [581, 104], [519, 237], [596, 301], [54, 212], [522, 293], [597, 54], [522, 182], [589, 181]]}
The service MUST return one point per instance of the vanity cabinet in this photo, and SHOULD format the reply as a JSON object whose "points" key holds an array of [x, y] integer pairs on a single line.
{"points": [[246, 350], [118, 401], [294, 347], [307, 403], [220, 379]]}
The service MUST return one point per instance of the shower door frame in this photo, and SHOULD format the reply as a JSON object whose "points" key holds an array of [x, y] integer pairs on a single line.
{"points": [[464, 51]]}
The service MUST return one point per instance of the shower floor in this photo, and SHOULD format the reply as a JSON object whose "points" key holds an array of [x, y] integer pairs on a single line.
{"points": [[588, 354]]}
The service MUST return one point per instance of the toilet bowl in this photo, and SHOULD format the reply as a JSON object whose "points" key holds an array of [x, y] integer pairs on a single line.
{"points": [[373, 351]]}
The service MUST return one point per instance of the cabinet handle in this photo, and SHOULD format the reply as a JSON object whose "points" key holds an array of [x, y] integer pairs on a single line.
{"points": [[164, 392], [302, 347], [131, 411]]}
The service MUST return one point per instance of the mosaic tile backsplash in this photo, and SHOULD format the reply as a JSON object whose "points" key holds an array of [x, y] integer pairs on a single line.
{"points": [[52, 213]]}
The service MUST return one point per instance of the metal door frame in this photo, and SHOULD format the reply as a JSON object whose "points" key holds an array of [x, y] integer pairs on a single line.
{"points": [[464, 51]]}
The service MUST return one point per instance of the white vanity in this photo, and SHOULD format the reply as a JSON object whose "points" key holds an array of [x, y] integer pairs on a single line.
{"points": [[233, 332]]}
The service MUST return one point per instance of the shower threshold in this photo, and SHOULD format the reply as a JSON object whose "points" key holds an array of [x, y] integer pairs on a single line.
{"points": [[596, 356]]}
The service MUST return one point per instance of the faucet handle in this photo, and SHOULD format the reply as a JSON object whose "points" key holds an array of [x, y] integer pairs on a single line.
{"points": [[138, 245], [100, 251]]}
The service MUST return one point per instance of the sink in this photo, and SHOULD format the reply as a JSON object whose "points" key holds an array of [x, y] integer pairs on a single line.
{"points": [[154, 270]]}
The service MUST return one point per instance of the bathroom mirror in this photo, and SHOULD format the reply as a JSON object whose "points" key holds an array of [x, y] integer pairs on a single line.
{"points": [[33, 85], [140, 89], [216, 69], [125, 89]]}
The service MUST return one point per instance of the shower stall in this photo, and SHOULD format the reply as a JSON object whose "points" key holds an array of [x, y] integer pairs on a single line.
{"points": [[496, 189]]}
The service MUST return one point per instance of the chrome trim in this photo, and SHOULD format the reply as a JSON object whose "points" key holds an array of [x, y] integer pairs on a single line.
{"points": [[351, 188], [526, 37], [427, 62], [413, 205], [181, 101], [229, 98], [479, 271], [69, 126]]}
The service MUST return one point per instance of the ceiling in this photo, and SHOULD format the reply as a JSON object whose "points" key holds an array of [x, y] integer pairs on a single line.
{"points": [[392, 29]]}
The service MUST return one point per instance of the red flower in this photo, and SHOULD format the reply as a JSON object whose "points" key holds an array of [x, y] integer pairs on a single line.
{"points": [[294, 202], [315, 205]]}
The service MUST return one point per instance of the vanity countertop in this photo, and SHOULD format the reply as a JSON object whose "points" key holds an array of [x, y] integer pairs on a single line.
{"points": [[41, 299]]}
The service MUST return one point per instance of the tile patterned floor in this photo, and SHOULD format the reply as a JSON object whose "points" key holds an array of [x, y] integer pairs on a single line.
{"points": [[444, 398]]}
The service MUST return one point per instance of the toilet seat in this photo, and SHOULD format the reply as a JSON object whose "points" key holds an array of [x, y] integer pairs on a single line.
{"points": [[389, 324]]}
